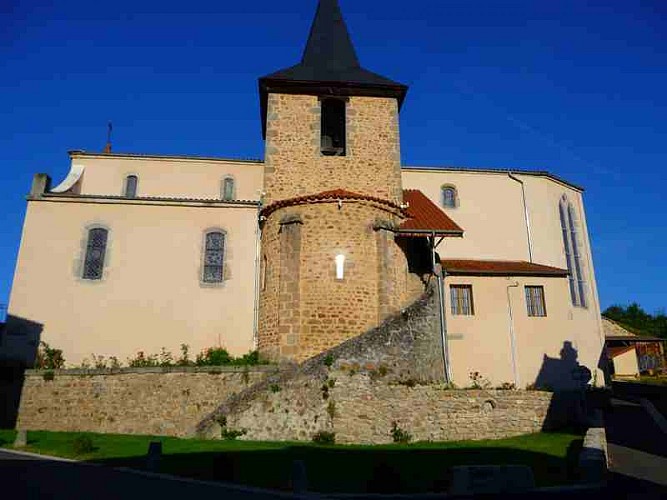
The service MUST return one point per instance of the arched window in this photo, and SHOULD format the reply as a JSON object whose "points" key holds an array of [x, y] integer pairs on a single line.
{"points": [[449, 197], [228, 189], [95, 250], [214, 254], [572, 245], [131, 186]]}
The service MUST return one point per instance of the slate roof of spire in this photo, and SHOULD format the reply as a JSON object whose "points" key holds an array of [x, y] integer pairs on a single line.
{"points": [[329, 65]]}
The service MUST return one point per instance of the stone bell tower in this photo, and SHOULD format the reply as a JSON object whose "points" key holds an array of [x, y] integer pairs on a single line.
{"points": [[332, 194]]}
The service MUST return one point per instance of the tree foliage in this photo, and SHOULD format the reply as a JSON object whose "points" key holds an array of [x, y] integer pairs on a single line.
{"points": [[638, 321]]}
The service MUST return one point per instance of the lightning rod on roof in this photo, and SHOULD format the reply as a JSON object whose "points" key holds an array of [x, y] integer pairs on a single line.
{"points": [[107, 147]]}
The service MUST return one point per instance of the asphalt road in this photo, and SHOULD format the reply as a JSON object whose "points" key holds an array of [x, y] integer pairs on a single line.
{"points": [[24, 477]]}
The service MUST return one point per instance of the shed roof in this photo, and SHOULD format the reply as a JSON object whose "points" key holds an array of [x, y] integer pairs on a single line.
{"points": [[425, 217], [470, 267]]}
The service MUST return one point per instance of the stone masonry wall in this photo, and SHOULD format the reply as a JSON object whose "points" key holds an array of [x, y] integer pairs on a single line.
{"points": [[133, 401], [294, 165], [304, 308], [391, 373]]}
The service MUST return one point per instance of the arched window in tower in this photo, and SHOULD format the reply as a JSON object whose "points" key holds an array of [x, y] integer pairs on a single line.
{"points": [[332, 139], [131, 186], [96, 247], [214, 256], [449, 196], [228, 189], [572, 247]]}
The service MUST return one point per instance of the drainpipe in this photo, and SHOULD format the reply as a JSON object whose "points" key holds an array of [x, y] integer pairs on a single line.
{"points": [[439, 272], [258, 267], [515, 367], [525, 214]]}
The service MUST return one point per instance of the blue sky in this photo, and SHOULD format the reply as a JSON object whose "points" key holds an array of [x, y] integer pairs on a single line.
{"points": [[570, 86]]}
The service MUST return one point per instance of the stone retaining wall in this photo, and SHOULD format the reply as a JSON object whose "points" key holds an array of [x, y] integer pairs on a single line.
{"points": [[392, 373], [165, 401]]}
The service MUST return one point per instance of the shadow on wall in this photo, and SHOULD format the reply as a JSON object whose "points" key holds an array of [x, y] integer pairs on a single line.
{"points": [[18, 348], [568, 379]]}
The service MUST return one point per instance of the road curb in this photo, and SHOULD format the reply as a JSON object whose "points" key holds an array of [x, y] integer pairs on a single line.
{"points": [[37, 455]]}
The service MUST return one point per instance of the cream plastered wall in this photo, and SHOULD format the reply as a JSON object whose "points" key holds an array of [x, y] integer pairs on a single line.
{"points": [[168, 177], [626, 364], [481, 342], [151, 295]]}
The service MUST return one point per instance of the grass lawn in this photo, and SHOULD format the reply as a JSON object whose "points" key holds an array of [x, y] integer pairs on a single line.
{"points": [[416, 467], [655, 379]]}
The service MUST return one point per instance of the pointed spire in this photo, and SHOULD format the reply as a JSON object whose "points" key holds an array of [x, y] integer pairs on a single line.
{"points": [[329, 41], [329, 65]]}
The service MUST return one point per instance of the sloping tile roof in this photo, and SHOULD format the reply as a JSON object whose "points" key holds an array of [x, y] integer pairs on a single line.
{"points": [[614, 331], [424, 216], [499, 268], [334, 194]]}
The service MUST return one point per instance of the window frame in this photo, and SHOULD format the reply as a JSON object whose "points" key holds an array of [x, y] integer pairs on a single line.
{"points": [[572, 247], [205, 254], [535, 309], [126, 186], [223, 191], [457, 305], [87, 256], [455, 196]]}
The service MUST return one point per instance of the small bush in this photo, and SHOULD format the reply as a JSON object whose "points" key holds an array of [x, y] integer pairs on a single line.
{"points": [[213, 356], [184, 360], [408, 382], [478, 382], [274, 388], [507, 386], [82, 445], [329, 360], [324, 437], [232, 434], [48, 358], [48, 375], [399, 435], [141, 360]]}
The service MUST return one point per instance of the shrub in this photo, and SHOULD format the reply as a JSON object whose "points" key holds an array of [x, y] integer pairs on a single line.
{"points": [[49, 358], [226, 433], [213, 356], [324, 437], [329, 360], [478, 382], [82, 444], [399, 435], [507, 386], [48, 375], [232, 434], [274, 388], [249, 359], [166, 358], [143, 361], [184, 360]]}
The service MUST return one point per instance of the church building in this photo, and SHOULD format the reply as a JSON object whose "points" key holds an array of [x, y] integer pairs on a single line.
{"points": [[322, 240]]}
